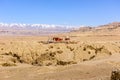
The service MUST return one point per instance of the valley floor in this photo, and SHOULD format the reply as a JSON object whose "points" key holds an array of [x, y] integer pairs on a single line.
{"points": [[92, 58]]}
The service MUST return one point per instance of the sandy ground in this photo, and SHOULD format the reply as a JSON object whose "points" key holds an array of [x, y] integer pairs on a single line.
{"points": [[90, 70], [93, 57]]}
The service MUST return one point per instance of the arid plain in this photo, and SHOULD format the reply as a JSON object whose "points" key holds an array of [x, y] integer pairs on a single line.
{"points": [[91, 54]]}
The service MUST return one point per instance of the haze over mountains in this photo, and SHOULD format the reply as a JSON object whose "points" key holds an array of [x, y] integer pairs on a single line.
{"points": [[44, 29], [33, 26], [32, 29]]}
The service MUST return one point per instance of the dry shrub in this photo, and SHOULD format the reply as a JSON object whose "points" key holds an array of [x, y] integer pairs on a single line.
{"points": [[51, 46], [90, 47], [58, 47], [47, 50], [89, 52], [48, 56], [8, 64], [99, 49], [71, 49], [85, 59], [84, 49], [72, 42], [43, 42], [92, 57], [115, 75], [60, 51], [48, 63], [14, 60], [65, 62], [2, 49], [109, 53], [16, 57]]}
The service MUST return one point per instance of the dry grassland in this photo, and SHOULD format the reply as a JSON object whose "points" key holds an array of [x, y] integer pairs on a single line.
{"points": [[91, 57]]}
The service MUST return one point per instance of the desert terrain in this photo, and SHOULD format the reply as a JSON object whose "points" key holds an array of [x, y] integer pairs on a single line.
{"points": [[91, 54]]}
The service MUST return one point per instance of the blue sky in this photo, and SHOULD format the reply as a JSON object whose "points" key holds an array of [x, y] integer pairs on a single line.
{"points": [[65, 12]]}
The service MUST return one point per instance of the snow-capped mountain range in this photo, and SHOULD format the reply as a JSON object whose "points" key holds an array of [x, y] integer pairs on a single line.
{"points": [[32, 29], [34, 26]]}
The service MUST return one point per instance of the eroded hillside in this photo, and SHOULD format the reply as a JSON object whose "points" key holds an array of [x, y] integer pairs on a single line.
{"points": [[13, 53]]}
